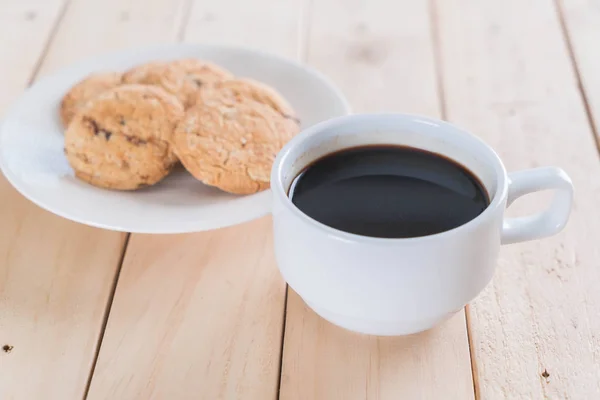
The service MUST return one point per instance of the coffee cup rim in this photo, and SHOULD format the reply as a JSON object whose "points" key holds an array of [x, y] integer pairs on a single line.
{"points": [[278, 189]]}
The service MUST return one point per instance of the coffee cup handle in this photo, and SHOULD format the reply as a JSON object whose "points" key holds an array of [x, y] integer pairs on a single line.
{"points": [[545, 223]]}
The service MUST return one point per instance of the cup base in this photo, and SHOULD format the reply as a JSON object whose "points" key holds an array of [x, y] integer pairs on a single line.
{"points": [[378, 328]]}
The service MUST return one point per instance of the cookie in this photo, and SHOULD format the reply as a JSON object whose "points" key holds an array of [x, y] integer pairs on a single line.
{"points": [[120, 139], [232, 144], [78, 96], [233, 89], [167, 76], [201, 72]]}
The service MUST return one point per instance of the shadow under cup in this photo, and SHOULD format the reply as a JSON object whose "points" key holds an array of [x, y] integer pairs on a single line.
{"points": [[378, 285]]}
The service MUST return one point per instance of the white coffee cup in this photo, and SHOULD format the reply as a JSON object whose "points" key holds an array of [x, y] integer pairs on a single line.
{"points": [[402, 286]]}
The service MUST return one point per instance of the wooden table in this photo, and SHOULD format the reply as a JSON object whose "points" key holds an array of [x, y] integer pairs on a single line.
{"points": [[87, 313]]}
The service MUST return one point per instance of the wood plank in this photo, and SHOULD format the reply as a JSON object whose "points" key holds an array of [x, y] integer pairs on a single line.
{"points": [[382, 56], [201, 315], [57, 275], [25, 29], [195, 316], [508, 77], [581, 19]]}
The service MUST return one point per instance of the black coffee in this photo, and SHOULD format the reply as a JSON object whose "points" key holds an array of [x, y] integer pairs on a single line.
{"points": [[388, 192]]}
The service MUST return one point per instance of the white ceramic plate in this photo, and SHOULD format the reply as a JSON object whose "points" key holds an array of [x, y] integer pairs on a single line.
{"points": [[32, 159]]}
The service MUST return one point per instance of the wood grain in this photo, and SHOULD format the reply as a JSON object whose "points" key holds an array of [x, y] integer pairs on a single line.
{"points": [[268, 25], [201, 315], [508, 77], [91, 28], [57, 276], [581, 21], [25, 29], [196, 316], [381, 54]]}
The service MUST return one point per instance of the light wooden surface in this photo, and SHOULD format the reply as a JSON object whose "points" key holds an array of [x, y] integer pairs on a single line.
{"points": [[205, 316], [508, 77]]}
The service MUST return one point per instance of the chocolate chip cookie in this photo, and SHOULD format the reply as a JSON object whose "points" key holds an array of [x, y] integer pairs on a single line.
{"points": [[90, 87], [231, 144], [120, 139]]}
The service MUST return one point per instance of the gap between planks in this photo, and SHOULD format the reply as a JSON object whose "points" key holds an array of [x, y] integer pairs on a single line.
{"points": [[284, 320], [46, 47], [109, 302], [39, 59], [437, 56], [501, 94], [381, 57], [185, 19], [575, 65], [439, 72], [101, 381], [303, 54]]}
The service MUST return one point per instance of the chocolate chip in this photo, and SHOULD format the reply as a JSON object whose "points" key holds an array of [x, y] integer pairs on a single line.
{"points": [[121, 120], [198, 82], [97, 129], [135, 140], [92, 123], [7, 348], [82, 157]]}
